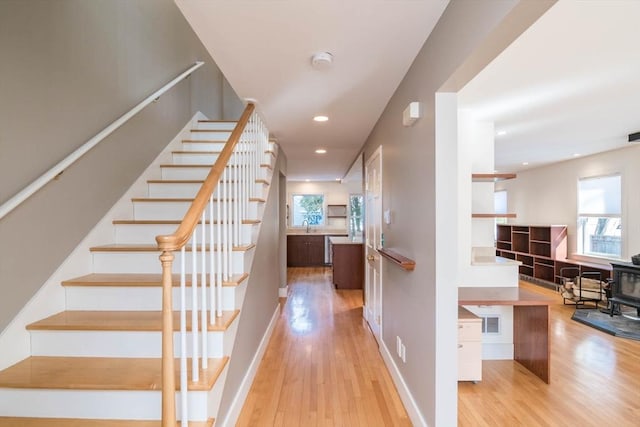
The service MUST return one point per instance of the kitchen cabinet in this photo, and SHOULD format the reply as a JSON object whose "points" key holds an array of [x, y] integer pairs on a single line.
{"points": [[469, 346], [348, 263], [305, 250]]}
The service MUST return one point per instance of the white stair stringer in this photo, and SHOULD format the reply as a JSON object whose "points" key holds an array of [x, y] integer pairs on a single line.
{"points": [[140, 404]]}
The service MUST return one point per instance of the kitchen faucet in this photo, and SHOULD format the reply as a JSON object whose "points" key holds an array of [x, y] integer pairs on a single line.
{"points": [[307, 223]]}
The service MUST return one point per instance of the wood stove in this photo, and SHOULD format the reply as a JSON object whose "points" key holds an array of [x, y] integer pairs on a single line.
{"points": [[625, 288]]}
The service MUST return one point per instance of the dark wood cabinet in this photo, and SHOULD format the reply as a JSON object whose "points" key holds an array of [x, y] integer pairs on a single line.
{"points": [[348, 265], [305, 250]]}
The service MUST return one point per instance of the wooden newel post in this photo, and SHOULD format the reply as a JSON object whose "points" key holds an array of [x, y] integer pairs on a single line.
{"points": [[168, 370]]}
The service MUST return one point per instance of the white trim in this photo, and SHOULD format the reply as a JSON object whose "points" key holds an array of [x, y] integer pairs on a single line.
{"points": [[282, 292], [247, 381], [405, 395], [41, 181]]}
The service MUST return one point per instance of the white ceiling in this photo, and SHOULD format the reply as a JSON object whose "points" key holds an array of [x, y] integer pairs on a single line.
{"points": [[570, 85], [264, 49]]}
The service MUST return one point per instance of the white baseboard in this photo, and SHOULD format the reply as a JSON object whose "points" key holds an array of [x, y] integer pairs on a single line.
{"points": [[405, 395], [282, 292], [247, 381]]}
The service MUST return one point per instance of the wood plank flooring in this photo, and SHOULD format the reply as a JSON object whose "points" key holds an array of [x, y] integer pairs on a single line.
{"points": [[322, 366], [595, 381]]}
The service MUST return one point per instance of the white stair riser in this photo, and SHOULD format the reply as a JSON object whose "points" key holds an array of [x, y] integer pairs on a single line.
{"points": [[146, 233], [176, 210], [117, 344], [200, 173], [148, 262], [134, 405], [202, 146], [193, 159], [210, 136], [139, 298], [229, 126], [189, 189]]}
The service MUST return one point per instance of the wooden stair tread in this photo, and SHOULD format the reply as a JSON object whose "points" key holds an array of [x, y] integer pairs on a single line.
{"points": [[122, 321], [100, 373], [171, 221], [81, 422], [138, 280], [141, 247]]}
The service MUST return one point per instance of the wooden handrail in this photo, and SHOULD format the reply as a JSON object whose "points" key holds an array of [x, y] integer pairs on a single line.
{"points": [[173, 242], [180, 237], [397, 259]]}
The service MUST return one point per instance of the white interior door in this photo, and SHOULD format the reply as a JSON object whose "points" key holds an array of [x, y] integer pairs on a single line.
{"points": [[373, 237]]}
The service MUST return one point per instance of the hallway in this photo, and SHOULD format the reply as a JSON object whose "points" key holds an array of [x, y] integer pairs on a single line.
{"points": [[322, 366]]}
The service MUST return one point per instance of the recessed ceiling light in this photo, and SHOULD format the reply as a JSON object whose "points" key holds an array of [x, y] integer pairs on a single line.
{"points": [[307, 180], [321, 151], [576, 154], [501, 133], [525, 163], [320, 118], [338, 179]]}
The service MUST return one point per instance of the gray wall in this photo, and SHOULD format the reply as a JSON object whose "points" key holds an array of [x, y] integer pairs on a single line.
{"points": [[261, 298], [468, 35], [68, 69]]}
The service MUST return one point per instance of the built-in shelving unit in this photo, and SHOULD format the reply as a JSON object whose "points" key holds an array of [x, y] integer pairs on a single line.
{"points": [[542, 250], [492, 177], [336, 211]]}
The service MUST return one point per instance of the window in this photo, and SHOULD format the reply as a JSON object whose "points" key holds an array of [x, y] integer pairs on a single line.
{"points": [[356, 214], [308, 210], [599, 216]]}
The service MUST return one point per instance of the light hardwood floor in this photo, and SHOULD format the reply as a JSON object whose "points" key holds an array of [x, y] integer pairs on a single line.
{"points": [[322, 366], [595, 381]]}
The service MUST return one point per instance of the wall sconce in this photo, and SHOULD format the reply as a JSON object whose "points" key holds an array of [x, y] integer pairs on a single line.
{"points": [[412, 113]]}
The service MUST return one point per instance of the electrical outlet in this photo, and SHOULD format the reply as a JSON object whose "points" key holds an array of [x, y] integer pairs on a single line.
{"points": [[398, 346]]}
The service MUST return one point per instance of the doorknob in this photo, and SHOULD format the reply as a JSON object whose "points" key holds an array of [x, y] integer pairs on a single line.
{"points": [[371, 258]]}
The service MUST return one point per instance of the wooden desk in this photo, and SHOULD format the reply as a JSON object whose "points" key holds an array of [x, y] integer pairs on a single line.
{"points": [[530, 323]]}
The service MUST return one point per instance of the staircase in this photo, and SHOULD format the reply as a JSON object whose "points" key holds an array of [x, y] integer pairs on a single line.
{"points": [[99, 363]]}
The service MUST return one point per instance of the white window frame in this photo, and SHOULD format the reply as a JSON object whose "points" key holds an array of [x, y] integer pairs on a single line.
{"points": [[580, 243]]}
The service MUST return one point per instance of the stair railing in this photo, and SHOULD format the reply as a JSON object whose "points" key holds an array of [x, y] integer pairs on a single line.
{"points": [[61, 166], [220, 206]]}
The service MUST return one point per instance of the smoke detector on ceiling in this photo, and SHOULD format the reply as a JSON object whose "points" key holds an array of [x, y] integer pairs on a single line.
{"points": [[321, 60]]}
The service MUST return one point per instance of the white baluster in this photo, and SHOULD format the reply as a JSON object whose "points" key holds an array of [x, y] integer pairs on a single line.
{"points": [[212, 267], [219, 250], [225, 236], [203, 288], [183, 339], [194, 308]]}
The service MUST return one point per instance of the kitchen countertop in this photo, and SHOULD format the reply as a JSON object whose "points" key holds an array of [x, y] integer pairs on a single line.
{"points": [[316, 233], [345, 240]]}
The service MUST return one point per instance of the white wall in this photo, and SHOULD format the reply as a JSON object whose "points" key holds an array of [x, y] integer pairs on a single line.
{"points": [[548, 195]]}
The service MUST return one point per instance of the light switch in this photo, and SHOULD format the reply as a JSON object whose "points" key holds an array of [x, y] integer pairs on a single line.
{"points": [[387, 216]]}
